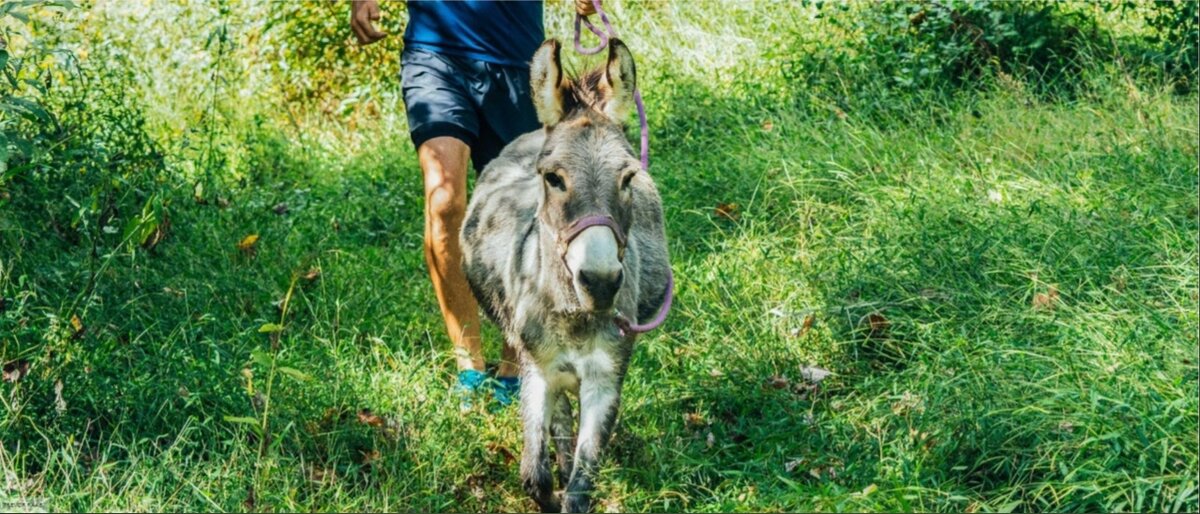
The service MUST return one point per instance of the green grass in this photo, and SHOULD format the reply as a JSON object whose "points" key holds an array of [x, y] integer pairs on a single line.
{"points": [[1030, 269]]}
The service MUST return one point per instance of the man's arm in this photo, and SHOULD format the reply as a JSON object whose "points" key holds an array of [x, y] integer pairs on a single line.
{"points": [[362, 13]]}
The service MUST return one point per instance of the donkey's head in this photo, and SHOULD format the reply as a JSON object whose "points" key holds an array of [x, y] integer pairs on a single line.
{"points": [[587, 167]]}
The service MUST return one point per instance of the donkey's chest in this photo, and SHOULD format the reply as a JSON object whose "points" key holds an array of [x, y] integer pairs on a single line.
{"points": [[566, 363]]}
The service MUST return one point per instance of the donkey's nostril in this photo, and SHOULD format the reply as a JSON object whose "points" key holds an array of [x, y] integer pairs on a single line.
{"points": [[601, 286]]}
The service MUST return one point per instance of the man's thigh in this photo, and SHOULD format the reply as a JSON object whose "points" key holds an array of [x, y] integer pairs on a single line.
{"points": [[437, 99]]}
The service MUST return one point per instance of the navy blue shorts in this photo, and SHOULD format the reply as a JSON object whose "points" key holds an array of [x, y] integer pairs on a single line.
{"points": [[482, 104]]}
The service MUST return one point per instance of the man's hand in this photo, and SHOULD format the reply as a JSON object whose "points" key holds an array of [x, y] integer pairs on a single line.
{"points": [[584, 7], [362, 13]]}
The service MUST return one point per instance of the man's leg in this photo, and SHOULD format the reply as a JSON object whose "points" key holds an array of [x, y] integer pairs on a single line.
{"points": [[444, 163]]}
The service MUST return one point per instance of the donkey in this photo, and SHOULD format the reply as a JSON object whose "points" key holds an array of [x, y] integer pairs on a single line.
{"points": [[564, 248]]}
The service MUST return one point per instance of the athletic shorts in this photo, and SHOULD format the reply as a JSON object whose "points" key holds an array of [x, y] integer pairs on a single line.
{"points": [[484, 105]]}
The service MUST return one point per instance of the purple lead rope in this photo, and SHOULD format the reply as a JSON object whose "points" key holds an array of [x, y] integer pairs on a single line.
{"points": [[625, 325], [637, 95]]}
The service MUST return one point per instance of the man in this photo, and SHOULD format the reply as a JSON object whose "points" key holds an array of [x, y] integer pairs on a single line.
{"points": [[465, 78]]}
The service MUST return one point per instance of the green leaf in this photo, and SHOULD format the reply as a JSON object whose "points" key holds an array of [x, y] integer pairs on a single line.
{"points": [[269, 328], [294, 373], [261, 358], [1009, 507], [246, 420]]}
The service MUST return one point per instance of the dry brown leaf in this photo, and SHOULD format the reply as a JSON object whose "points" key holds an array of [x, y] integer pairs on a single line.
{"points": [[503, 451], [778, 382], [728, 211], [312, 274], [878, 324], [768, 126], [321, 475], [160, 233], [77, 327], [16, 370], [366, 417], [1047, 300], [251, 500], [369, 456], [248, 243], [806, 325], [693, 420]]}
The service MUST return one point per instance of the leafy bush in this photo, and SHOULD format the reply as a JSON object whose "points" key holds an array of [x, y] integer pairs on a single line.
{"points": [[1173, 44], [76, 160], [923, 47]]}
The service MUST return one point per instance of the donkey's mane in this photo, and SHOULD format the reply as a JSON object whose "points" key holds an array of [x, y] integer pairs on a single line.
{"points": [[582, 93]]}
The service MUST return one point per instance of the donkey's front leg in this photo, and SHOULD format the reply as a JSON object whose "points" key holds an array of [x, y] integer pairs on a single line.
{"points": [[535, 457], [599, 396]]}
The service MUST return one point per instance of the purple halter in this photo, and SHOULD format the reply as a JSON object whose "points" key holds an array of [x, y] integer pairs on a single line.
{"points": [[624, 324]]}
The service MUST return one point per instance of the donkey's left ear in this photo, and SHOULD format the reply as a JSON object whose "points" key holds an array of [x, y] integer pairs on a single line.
{"points": [[546, 82], [621, 77]]}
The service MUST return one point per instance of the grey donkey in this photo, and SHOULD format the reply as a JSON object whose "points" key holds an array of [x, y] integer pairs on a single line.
{"points": [[563, 246]]}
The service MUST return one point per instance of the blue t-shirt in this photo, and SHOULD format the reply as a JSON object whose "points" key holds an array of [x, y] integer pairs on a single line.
{"points": [[500, 32]]}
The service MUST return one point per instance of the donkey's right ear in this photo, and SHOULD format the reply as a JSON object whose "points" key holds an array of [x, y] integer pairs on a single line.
{"points": [[545, 81]]}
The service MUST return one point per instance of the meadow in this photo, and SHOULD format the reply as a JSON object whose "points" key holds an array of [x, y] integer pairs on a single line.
{"points": [[213, 294]]}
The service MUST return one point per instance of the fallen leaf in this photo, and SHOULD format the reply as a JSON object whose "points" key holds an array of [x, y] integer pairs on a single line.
{"points": [[791, 465], [160, 233], [815, 473], [878, 324], [728, 211], [807, 325], [16, 370], [77, 326], [814, 374], [312, 274], [768, 126], [715, 373], [503, 451], [693, 420], [369, 456], [321, 475], [366, 417], [248, 244], [60, 406], [777, 382], [1047, 300]]}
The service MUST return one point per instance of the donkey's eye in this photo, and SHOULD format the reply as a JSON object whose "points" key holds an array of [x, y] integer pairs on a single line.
{"points": [[555, 180]]}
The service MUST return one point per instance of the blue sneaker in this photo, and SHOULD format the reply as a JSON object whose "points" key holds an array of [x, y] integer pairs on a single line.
{"points": [[506, 390], [469, 382]]}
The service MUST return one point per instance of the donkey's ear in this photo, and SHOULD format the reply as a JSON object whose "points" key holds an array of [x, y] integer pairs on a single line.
{"points": [[620, 74], [545, 81]]}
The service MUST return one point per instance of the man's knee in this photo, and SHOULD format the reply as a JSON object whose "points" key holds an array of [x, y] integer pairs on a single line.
{"points": [[447, 206]]}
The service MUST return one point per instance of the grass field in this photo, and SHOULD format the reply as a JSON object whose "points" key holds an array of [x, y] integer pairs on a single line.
{"points": [[1004, 288]]}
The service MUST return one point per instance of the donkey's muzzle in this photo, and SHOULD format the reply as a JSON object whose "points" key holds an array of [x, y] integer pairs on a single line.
{"points": [[601, 287]]}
